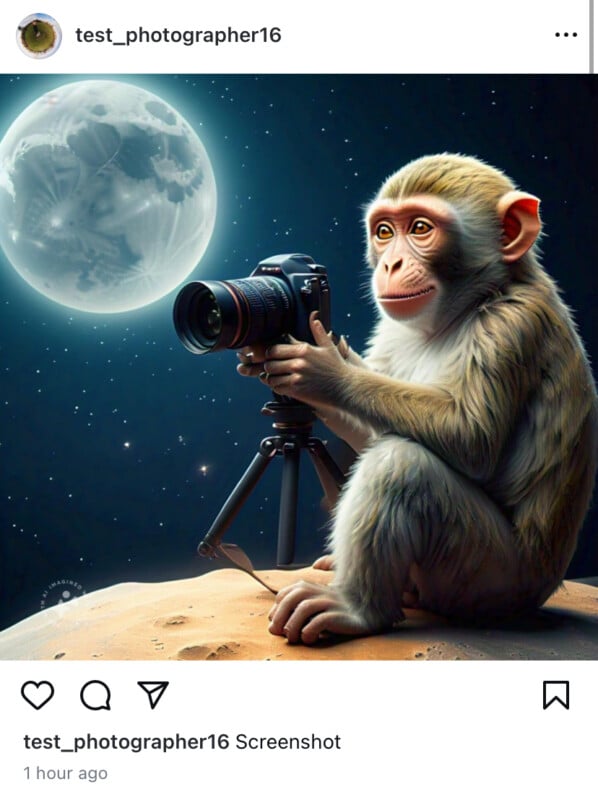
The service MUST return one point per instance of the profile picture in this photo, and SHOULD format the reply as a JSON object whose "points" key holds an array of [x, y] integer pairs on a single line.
{"points": [[39, 36]]}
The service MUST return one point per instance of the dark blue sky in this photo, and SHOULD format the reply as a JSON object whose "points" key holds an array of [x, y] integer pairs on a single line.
{"points": [[106, 420]]}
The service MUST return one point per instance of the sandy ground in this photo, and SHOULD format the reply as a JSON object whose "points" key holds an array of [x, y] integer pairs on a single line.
{"points": [[224, 616]]}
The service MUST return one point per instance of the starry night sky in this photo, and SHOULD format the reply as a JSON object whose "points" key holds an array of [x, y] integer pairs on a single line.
{"points": [[118, 446]]}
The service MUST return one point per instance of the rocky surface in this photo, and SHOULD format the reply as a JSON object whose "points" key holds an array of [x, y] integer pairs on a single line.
{"points": [[224, 616]]}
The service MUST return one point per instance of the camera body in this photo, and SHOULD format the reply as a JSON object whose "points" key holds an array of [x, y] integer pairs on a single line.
{"points": [[309, 287], [274, 301]]}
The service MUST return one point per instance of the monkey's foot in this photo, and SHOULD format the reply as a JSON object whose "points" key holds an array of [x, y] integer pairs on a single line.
{"points": [[324, 562], [305, 611]]}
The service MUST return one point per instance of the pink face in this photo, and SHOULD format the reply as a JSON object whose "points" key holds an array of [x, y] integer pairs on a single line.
{"points": [[406, 237]]}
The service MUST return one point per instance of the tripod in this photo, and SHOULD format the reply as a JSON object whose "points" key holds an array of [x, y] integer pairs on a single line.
{"points": [[293, 422]]}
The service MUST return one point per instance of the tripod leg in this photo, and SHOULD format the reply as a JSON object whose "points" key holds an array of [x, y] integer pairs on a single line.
{"points": [[234, 502], [287, 519], [329, 473]]}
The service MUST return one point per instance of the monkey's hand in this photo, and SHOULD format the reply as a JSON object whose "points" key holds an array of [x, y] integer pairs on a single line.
{"points": [[304, 611], [252, 361], [324, 562], [313, 374], [252, 357]]}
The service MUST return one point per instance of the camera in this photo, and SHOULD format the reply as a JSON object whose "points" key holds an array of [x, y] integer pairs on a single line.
{"points": [[274, 301]]}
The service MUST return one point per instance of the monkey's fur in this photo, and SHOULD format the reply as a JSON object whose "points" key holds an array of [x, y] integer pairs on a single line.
{"points": [[474, 409], [475, 484]]}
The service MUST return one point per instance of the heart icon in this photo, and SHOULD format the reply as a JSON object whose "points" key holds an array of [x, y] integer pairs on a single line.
{"points": [[37, 694]]}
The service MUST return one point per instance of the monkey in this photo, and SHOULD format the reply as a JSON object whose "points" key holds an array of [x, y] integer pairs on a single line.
{"points": [[474, 413]]}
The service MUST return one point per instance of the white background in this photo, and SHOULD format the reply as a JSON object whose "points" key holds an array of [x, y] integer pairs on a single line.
{"points": [[326, 36], [465, 729]]}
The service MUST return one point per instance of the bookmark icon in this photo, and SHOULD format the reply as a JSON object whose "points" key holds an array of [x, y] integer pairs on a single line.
{"points": [[556, 691]]}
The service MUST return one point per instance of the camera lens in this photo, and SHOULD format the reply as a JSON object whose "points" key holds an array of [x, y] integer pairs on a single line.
{"points": [[209, 316], [214, 315], [199, 313], [269, 309]]}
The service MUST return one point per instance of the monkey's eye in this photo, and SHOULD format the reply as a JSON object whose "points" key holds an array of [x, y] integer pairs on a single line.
{"points": [[384, 231], [420, 227]]}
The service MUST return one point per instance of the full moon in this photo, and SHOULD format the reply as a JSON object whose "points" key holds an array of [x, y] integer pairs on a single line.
{"points": [[107, 196]]}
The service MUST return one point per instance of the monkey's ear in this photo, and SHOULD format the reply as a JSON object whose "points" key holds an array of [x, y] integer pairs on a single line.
{"points": [[519, 214]]}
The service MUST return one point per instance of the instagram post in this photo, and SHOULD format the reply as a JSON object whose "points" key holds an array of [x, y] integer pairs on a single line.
{"points": [[299, 420], [126, 443]]}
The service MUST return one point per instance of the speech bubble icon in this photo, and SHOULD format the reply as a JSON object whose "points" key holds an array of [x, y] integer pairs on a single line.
{"points": [[95, 695], [37, 694]]}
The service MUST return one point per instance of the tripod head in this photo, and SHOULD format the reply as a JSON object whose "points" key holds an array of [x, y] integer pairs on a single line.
{"points": [[288, 413]]}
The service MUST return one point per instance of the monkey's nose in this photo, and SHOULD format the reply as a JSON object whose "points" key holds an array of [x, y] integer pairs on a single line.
{"points": [[394, 265]]}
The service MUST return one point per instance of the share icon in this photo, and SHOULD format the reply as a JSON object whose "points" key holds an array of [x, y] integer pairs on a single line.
{"points": [[154, 690]]}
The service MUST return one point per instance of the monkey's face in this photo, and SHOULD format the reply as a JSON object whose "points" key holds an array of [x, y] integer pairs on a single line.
{"points": [[407, 238]]}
